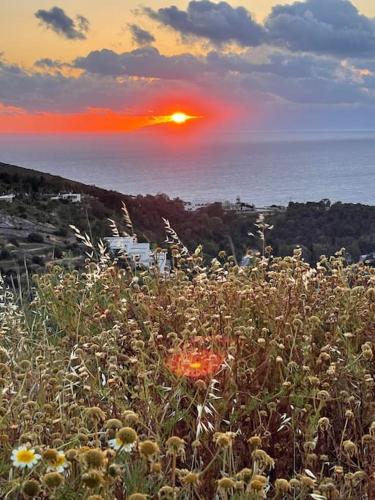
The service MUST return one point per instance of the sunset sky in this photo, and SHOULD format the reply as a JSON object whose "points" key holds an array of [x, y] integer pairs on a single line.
{"points": [[91, 65]]}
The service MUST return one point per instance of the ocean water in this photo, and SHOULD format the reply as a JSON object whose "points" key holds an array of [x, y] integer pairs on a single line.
{"points": [[260, 167]]}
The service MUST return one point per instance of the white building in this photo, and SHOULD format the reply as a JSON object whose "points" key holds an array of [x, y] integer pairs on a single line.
{"points": [[7, 197], [190, 206], [228, 206], [73, 197], [139, 253], [239, 207]]}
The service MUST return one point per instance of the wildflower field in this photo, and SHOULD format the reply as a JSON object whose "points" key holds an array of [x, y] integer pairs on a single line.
{"points": [[213, 382]]}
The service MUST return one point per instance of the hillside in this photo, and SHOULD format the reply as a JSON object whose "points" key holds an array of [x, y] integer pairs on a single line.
{"points": [[319, 227]]}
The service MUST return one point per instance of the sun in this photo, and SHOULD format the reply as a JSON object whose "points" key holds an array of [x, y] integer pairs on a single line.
{"points": [[180, 117], [175, 118]]}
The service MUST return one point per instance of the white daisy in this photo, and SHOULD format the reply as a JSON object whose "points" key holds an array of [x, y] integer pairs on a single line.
{"points": [[24, 457], [117, 444], [60, 464]]}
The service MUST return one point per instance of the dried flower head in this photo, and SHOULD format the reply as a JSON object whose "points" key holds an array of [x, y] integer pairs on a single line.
{"points": [[263, 459], [113, 423], [225, 483], [92, 479], [224, 439], [175, 446], [282, 485], [258, 483], [53, 479], [148, 448], [95, 413], [31, 488], [156, 467], [167, 493], [255, 441], [50, 455], [350, 448], [323, 423], [94, 459]]}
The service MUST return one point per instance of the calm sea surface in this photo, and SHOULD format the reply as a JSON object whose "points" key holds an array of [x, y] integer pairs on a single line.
{"points": [[260, 167]]}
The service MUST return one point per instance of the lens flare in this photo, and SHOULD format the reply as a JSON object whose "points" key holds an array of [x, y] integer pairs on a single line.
{"points": [[195, 364]]}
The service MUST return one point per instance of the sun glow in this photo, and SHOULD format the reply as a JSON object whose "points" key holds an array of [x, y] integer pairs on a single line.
{"points": [[180, 117], [177, 117]]}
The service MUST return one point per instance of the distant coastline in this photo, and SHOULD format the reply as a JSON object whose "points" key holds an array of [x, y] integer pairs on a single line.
{"points": [[37, 211]]}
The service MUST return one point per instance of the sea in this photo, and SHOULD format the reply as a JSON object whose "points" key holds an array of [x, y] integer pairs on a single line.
{"points": [[260, 167]]}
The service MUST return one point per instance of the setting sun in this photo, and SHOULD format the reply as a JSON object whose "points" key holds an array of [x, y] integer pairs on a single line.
{"points": [[180, 117], [176, 118]]}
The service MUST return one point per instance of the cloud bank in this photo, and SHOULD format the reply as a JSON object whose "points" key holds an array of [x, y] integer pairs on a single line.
{"points": [[217, 22], [321, 26]]}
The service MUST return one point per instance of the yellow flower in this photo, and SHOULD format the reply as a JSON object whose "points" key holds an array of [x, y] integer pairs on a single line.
{"points": [[59, 464], [24, 457]]}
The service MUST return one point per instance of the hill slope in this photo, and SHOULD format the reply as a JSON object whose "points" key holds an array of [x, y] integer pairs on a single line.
{"points": [[318, 227]]}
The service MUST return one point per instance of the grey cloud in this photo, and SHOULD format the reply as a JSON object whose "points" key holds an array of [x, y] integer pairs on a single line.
{"points": [[316, 90], [322, 26], [217, 22], [36, 91], [106, 80], [330, 27], [46, 62], [284, 64], [141, 36], [56, 20], [142, 62], [293, 77]]}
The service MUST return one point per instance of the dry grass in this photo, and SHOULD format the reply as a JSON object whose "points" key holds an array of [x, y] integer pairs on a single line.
{"points": [[288, 413]]}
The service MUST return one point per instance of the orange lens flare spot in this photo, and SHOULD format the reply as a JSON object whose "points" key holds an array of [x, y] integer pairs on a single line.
{"points": [[195, 364]]}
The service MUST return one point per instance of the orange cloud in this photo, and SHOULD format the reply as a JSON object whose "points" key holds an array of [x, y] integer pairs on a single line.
{"points": [[10, 110]]}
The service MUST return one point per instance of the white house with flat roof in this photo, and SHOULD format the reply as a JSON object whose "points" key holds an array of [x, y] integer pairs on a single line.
{"points": [[139, 253], [7, 197], [73, 197]]}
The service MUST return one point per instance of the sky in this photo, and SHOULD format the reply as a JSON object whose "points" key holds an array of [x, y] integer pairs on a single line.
{"points": [[120, 65]]}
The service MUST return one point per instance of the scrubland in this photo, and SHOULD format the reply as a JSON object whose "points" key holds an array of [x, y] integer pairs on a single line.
{"points": [[213, 382]]}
